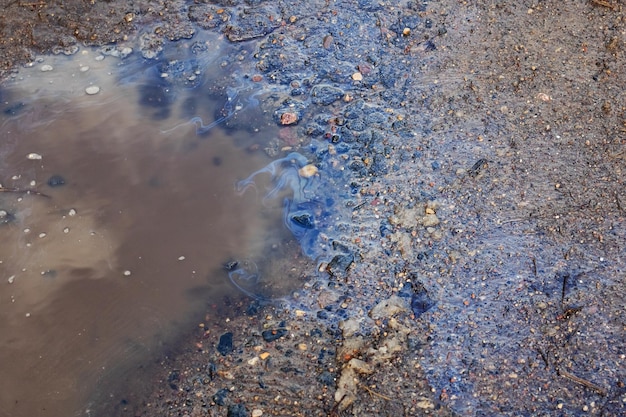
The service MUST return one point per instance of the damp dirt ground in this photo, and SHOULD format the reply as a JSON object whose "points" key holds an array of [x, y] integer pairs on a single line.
{"points": [[464, 226]]}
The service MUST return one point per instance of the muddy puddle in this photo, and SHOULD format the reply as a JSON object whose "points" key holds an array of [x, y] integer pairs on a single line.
{"points": [[119, 211]]}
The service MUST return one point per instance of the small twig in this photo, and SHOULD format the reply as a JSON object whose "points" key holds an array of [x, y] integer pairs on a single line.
{"points": [[374, 393], [582, 382], [39, 3], [605, 3], [618, 202], [564, 288], [358, 206], [17, 190], [544, 357], [334, 411]]}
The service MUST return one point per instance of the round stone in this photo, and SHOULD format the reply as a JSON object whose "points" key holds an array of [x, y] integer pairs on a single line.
{"points": [[92, 89]]}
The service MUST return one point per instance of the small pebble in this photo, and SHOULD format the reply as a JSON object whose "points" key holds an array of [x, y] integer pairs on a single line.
{"points": [[11, 279], [46, 68], [72, 212], [66, 230], [33, 156], [84, 68], [92, 89], [257, 413], [127, 273], [42, 235], [181, 258], [357, 76], [308, 171]]}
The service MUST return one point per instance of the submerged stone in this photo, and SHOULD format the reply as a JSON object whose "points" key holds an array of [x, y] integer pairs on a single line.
{"points": [[237, 410], [225, 346], [56, 181]]}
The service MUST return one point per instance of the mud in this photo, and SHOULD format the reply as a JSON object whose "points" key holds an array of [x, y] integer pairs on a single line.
{"points": [[473, 153]]}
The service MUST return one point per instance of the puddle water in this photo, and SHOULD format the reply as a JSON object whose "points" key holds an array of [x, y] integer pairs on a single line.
{"points": [[130, 216]]}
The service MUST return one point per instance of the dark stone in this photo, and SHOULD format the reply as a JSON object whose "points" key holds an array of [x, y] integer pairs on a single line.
{"points": [[253, 308], [316, 333], [385, 228], [325, 94], [219, 397], [322, 315], [172, 379], [14, 109], [225, 345], [273, 334], [326, 378], [340, 264], [56, 181], [211, 370], [237, 410], [420, 300], [304, 220], [231, 265]]}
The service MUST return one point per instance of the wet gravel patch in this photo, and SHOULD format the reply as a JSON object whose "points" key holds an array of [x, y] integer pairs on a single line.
{"points": [[467, 218]]}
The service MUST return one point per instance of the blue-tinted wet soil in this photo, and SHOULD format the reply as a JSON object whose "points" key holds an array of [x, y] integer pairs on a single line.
{"points": [[466, 158]]}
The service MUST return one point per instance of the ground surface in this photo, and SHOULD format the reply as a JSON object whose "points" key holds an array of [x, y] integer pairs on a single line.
{"points": [[475, 156]]}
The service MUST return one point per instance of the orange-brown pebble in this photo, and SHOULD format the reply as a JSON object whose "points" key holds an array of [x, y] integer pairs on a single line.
{"points": [[288, 118]]}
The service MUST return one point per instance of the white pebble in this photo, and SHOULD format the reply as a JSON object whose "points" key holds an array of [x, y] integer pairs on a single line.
{"points": [[127, 273], [27, 314], [26, 230], [11, 279], [125, 51], [84, 68], [257, 413], [33, 183], [33, 156], [92, 89], [66, 230], [46, 68], [42, 235], [72, 212], [181, 258]]}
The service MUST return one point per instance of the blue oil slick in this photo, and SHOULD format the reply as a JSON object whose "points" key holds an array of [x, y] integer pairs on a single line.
{"points": [[236, 101], [304, 214], [244, 276]]}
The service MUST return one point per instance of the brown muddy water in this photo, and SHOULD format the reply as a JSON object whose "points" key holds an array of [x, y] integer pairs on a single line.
{"points": [[124, 247]]}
